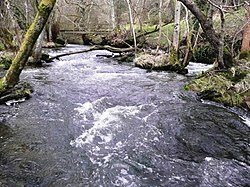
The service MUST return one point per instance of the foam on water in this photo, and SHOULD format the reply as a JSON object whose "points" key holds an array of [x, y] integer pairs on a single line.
{"points": [[102, 140], [246, 120], [196, 68], [104, 122]]}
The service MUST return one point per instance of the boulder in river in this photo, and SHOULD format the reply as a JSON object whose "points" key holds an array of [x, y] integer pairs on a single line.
{"points": [[158, 62]]}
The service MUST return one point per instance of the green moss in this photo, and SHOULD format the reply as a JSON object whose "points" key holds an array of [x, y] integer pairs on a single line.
{"points": [[7, 38], [203, 5], [227, 57], [236, 74], [245, 55], [1, 46], [45, 6], [5, 62], [3, 86], [173, 57], [21, 90], [231, 87], [204, 54], [231, 99], [167, 35], [209, 82]]}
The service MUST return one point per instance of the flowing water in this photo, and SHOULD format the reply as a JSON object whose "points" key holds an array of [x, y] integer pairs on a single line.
{"points": [[93, 122]]}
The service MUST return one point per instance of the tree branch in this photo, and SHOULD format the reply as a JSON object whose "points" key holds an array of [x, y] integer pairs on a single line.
{"points": [[96, 47]]}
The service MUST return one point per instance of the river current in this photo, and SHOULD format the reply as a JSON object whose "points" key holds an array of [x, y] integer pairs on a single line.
{"points": [[96, 123]]}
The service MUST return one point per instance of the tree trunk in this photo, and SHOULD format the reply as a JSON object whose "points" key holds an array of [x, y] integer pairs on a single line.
{"points": [[188, 51], [132, 24], [246, 34], [176, 36], [37, 52], [11, 78], [207, 27], [112, 14], [160, 26], [222, 39], [174, 50]]}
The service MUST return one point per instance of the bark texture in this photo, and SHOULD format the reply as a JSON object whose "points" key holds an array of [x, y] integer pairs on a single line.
{"points": [[176, 36], [11, 78], [246, 34]]}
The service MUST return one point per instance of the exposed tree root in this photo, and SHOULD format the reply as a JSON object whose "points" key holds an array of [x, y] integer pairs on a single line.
{"points": [[19, 91]]}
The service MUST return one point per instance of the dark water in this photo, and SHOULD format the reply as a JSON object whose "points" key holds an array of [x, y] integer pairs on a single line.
{"points": [[92, 122]]}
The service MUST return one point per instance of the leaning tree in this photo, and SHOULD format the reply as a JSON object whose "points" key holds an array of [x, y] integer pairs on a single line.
{"points": [[212, 36], [11, 77]]}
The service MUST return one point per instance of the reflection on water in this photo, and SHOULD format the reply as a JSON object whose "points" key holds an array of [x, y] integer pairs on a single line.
{"points": [[93, 122]]}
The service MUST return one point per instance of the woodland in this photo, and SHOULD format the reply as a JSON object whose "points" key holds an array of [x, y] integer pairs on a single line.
{"points": [[162, 35]]}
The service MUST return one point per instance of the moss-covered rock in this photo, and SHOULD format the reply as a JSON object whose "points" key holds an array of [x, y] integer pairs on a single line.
{"points": [[61, 42], [147, 61], [158, 62], [21, 90], [230, 87]]}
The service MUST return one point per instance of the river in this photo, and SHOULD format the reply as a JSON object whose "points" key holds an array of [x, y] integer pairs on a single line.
{"points": [[96, 123]]}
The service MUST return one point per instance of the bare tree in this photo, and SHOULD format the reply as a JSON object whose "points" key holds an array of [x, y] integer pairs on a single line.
{"points": [[132, 23], [176, 35], [160, 25]]}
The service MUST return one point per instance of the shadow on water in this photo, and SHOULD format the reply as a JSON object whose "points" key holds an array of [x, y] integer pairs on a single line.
{"points": [[93, 122]]}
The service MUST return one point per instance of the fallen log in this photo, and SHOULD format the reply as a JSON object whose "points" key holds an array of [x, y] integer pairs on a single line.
{"points": [[96, 47], [109, 56]]}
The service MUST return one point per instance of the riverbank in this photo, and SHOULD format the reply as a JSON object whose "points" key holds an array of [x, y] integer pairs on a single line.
{"points": [[230, 87]]}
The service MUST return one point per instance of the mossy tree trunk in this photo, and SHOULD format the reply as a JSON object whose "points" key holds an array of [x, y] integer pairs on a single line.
{"points": [[160, 26], [11, 77], [174, 50]]}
